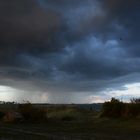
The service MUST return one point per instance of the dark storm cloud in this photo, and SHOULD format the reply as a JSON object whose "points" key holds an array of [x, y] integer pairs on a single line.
{"points": [[64, 47], [25, 27], [126, 14]]}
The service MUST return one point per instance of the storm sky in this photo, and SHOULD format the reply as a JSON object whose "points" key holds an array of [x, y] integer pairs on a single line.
{"points": [[69, 51]]}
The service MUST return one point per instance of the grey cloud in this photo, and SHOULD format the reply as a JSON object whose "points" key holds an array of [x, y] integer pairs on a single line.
{"points": [[69, 48], [126, 13]]}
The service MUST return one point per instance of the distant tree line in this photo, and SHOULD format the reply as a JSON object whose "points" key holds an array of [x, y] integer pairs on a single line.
{"points": [[4, 102]]}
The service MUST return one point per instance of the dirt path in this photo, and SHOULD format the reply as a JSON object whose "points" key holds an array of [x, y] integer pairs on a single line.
{"points": [[33, 134], [43, 135]]}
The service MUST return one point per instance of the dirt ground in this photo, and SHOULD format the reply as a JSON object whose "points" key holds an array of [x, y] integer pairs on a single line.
{"points": [[69, 131]]}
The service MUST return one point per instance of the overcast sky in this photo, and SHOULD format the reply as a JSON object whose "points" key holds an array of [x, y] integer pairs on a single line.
{"points": [[69, 51]]}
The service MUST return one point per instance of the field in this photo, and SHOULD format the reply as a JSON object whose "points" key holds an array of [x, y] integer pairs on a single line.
{"points": [[70, 123]]}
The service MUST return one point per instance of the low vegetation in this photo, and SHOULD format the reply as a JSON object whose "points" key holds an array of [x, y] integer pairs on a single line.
{"points": [[2, 114], [116, 108], [63, 113], [31, 114], [116, 120]]}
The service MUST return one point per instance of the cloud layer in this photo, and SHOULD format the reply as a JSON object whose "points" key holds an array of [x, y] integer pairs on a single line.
{"points": [[68, 51]]}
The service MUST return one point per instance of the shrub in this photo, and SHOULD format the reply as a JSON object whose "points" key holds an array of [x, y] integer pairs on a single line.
{"points": [[32, 114], [116, 109], [134, 109], [2, 114], [135, 100], [113, 108]]}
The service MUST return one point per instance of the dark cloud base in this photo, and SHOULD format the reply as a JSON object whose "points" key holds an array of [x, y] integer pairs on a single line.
{"points": [[69, 46]]}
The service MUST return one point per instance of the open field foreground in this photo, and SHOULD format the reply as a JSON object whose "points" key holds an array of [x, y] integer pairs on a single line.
{"points": [[73, 124]]}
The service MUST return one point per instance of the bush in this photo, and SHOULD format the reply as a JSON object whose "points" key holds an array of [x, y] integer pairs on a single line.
{"points": [[32, 114], [2, 114], [116, 109], [134, 109], [135, 100], [113, 108]]}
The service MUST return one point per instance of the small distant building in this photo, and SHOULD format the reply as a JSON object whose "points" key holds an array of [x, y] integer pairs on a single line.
{"points": [[12, 116]]}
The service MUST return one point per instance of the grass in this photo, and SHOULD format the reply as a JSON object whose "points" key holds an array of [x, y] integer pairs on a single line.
{"points": [[66, 114], [98, 128], [73, 124]]}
